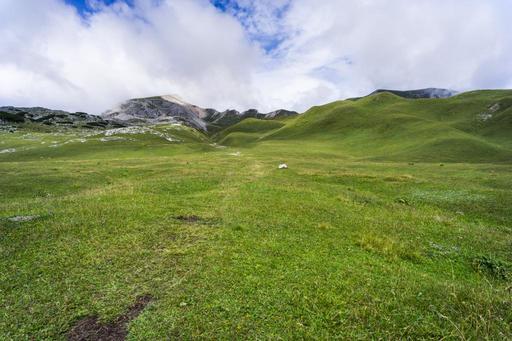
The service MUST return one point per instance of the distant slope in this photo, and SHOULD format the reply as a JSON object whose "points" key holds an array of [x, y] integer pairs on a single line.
{"points": [[471, 127], [247, 131], [125, 142], [421, 93]]}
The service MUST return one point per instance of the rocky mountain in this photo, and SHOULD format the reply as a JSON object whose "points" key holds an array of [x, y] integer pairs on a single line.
{"points": [[420, 93], [161, 109], [168, 109], [13, 115]]}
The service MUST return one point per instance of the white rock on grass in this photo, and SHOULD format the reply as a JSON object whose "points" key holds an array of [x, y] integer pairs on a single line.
{"points": [[22, 219], [215, 145], [113, 138], [283, 166], [484, 116], [9, 150], [140, 130]]}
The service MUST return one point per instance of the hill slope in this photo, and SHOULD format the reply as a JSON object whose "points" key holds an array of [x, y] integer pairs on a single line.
{"points": [[471, 127], [421, 93]]}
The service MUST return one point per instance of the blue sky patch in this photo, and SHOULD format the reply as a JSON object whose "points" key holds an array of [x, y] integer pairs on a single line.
{"points": [[83, 6], [269, 42]]}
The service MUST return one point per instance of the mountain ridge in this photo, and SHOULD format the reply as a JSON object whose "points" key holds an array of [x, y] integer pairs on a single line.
{"points": [[470, 127], [172, 109], [49, 117], [419, 93]]}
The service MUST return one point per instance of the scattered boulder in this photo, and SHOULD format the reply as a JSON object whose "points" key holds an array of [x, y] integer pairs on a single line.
{"points": [[283, 166], [23, 219]]}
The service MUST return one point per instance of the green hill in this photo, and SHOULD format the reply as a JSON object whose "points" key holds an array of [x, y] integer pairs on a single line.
{"points": [[31, 143], [157, 233], [471, 127], [247, 131]]}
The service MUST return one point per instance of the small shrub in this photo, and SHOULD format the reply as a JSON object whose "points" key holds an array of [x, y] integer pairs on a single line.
{"points": [[324, 226], [492, 267], [403, 201]]}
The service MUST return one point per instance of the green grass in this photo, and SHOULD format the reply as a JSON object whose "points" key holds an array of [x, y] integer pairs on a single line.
{"points": [[247, 131], [344, 244], [385, 127]]}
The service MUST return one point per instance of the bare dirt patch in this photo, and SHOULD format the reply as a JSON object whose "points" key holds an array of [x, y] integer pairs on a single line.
{"points": [[189, 218], [91, 329]]}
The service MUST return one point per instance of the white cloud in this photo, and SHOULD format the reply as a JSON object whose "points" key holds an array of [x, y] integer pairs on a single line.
{"points": [[322, 51], [353, 47], [58, 59]]}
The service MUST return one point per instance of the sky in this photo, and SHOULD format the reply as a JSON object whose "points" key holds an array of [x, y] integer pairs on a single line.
{"points": [[90, 55]]}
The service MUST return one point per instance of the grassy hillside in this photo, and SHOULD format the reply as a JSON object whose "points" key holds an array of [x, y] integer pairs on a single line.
{"points": [[471, 127], [247, 131], [28, 144], [224, 245]]}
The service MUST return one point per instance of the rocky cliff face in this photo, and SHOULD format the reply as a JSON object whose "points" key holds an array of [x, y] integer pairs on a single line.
{"points": [[13, 115], [162, 109]]}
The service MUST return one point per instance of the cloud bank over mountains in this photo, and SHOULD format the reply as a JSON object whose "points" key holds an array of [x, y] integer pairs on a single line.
{"points": [[241, 54]]}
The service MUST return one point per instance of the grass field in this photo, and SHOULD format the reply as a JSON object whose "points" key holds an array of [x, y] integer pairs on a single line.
{"points": [[374, 232]]}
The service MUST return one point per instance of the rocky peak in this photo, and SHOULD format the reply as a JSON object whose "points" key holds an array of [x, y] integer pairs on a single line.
{"points": [[170, 108]]}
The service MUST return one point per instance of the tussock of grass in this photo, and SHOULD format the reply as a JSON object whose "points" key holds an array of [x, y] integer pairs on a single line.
{"points": [[388, 247], [493, 267]]}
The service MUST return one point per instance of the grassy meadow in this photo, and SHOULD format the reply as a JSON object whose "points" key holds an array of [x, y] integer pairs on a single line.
{"points": [[391, 222]]}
